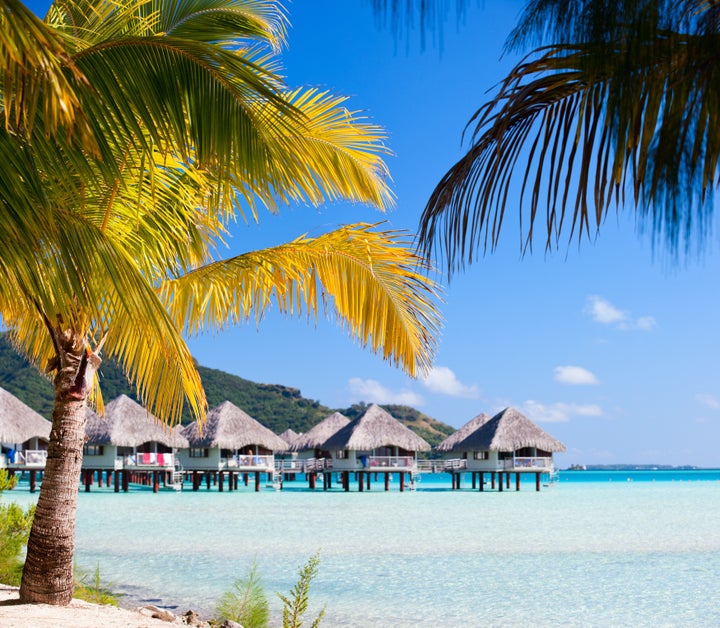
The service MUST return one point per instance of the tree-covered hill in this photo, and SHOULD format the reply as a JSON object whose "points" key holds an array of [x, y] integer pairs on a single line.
{"points": [[275, 406]]}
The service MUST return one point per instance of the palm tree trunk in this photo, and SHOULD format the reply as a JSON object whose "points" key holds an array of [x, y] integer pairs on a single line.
{"points": [[48, 572]]}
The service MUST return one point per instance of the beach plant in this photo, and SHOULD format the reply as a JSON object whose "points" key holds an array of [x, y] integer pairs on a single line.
{"points": [[295, 605], [15, 525], [92, 589], [246, 603], [133, 133]]}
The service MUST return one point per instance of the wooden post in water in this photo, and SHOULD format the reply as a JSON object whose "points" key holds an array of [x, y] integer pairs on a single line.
{"points": [[368, 480], [125, 481], [88, 480], [156, 481], [221, 482], [361, 481], [474, 480], [482, 480], [117, 481], [387, 481], [507, 480], [500, 480], [492, 480], [33, 480], [311, 479], [537, 480], [257, 481], [346, 480], [207, 480], [517, 481], [99, 473], [402, 481]]}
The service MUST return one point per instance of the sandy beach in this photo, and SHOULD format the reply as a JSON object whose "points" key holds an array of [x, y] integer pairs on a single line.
{"points": [[78, 614]]}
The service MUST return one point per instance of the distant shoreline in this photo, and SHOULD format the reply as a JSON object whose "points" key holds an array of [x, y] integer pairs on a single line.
{"points": [[636, 467]]}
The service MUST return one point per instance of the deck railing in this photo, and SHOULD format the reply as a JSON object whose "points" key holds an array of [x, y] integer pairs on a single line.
{"points": [[251, 462], [303, 465], [388, 462], [530, 462], [28, 458], [149, 460]]}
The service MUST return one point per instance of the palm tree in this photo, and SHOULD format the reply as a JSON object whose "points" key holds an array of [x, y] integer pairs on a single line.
{"points": [[616, 106], [133, 133]]}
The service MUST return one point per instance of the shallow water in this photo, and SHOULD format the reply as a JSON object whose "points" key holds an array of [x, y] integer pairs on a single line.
{"points": [[592, 550]]}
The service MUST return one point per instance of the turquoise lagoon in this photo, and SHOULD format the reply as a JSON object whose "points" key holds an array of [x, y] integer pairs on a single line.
{"points": [[594, 549]]}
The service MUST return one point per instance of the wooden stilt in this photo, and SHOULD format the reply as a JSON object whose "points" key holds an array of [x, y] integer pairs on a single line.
{"points": [[368, 481], [537, 481], [492, 480], [474, 480], [257, 481], [100, 479], [517, 481], [116, 479], [221, 481], [402, 481], [361, 481], [33, 480], [507, 480], [88, 480], [482, 480], [125, 481], [156, 481], [311, 478], [346, 480], [387, 481], [207, 480], [500, 480], [246, 479]]}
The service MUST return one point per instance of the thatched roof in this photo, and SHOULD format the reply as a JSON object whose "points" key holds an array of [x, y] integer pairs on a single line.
{"points": [[127, 424], [228, 427], [289, 436], [451, 441], [509, 430], [19, 422], [376, 428], [315, 437]]}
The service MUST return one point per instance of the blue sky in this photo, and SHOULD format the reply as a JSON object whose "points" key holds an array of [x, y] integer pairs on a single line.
{"points": [[608, 346]]}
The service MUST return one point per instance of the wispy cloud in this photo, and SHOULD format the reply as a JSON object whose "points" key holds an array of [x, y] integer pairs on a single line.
{"points": [[574, 376], [711, 401], [605, 313], [372, 391], [442, 380], [559, 412]]}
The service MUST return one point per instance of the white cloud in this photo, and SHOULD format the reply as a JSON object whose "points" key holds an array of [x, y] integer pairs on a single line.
{"points": [[709, 400], [604, 312], [372, 391], [574, 375], [442, 380], [559, 412]]}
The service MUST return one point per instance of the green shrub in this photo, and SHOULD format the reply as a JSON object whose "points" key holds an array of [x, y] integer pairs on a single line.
{"points": [[246, 603], [91, 589], [15, 524], [295, 606]]}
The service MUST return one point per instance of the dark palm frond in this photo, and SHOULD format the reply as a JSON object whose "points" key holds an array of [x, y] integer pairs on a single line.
{"points": [[577, 129]]}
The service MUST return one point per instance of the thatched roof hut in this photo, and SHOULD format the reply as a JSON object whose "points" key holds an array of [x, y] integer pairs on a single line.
{"points": [[315, 437], [461, 434], [228, 427], [127, 424], [19, 422], [376, 428], [509, 430], [289, 436]]}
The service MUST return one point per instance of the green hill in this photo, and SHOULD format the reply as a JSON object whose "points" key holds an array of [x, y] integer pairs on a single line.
{"points": [[275, 406]]}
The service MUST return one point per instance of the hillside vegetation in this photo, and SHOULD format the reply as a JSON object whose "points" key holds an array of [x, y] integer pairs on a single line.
{"points": [[275, 406]]}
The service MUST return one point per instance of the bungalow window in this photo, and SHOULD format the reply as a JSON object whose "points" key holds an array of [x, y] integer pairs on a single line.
{"points": [[480, 455], [199, 452], [341, 454], [93, 450]]}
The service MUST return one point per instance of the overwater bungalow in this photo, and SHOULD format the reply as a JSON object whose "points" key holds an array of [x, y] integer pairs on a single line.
{"points": [[311, 457], [24, 436], [507, 443], [230, 443], [375, 443], [129, 439], [450, 461]]}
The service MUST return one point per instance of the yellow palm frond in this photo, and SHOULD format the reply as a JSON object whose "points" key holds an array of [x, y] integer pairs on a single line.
{"points": [[370, 279]]}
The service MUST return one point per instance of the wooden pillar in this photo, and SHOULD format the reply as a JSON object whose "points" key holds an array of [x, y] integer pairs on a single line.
{"points": [[346, 480], [207, 480], [100, 483], [257, 481], [492, 480], [88, 480], [33, 480], [231, 485], [387, 481], [537, 480], [482, 480], [236, 480], [361, 481], [117, 481], [156, 481], [507, 480], [500, 480], [368, 480], [474, 480], [221, 481], [125, 481], [311, 479], [108, 477], [246, 478], [517, 481], [402, 481]]}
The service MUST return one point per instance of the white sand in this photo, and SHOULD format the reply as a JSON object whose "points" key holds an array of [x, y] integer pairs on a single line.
{"points": [[78, 614]]}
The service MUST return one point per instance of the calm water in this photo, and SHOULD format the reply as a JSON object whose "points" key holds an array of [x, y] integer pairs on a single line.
{"points": [[595, 549]]}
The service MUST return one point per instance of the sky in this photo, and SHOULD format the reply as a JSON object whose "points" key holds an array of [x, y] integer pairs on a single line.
{"points": [[609, 346]]}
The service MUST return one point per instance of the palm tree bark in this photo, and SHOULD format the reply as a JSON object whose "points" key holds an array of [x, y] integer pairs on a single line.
{"points": [[48, 572]]}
